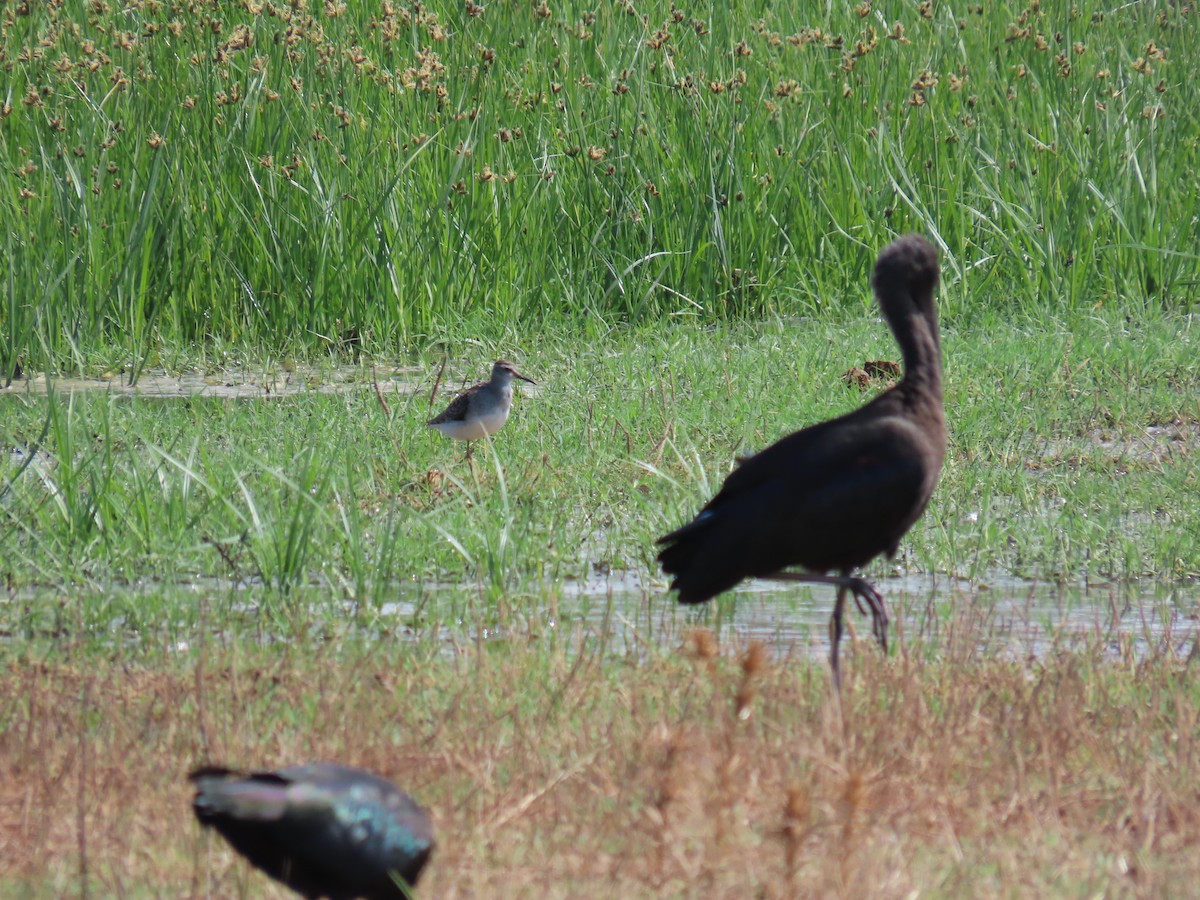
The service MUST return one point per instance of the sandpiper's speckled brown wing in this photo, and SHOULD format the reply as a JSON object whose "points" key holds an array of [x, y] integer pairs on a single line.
{"points": [[457, 410]]}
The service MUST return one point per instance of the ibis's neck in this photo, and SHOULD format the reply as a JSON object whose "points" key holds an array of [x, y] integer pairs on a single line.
{"points": [[921, 350]]}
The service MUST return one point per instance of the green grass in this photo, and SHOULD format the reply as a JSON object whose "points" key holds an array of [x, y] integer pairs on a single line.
{"points": [[1050, 473], [291, 176], [667, 217]]}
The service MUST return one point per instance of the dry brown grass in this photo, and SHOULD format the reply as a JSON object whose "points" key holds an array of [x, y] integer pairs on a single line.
{"points": [[555, 773]]}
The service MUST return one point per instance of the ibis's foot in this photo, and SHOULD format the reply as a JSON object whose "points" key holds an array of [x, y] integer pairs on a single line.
{"points": [[864, 593], [866, 598]]}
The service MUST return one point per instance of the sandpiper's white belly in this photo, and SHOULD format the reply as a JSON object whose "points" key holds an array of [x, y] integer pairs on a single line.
{"points": [[474, 428]]}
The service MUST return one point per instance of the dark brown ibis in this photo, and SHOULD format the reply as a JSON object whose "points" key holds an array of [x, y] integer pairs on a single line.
{"points": [[831, 497]]}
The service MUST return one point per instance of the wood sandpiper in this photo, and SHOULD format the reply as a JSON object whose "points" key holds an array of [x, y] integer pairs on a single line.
{"points": [[483, 409]]}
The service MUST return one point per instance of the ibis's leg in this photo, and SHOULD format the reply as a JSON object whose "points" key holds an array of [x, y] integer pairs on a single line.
{"points": [[835, 636], [865, 596]]}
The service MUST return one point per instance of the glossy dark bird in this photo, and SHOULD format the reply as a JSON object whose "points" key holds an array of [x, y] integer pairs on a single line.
{"points": [[831, 497], [324, 830]]}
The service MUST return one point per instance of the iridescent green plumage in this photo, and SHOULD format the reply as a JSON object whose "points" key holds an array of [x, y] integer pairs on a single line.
{"points": [[324, 830]]}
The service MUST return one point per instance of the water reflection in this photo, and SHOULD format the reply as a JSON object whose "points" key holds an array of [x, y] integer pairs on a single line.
{"points": [[1001, 615], [628, 614]]}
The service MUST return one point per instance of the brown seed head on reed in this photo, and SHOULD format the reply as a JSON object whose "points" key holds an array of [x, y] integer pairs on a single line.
{"points": [[753, 661]]}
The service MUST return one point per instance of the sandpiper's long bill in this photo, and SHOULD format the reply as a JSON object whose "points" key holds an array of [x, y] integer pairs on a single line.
{"points": [[483, 409]]}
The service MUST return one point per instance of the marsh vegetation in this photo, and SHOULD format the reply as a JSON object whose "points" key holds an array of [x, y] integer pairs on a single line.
{"points": [[290, 215]]}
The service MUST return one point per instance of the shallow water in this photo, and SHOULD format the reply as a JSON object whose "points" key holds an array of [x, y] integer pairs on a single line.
{"points": [[1001, 615], [253, 384], [232, 384], [1147, 445], [627, 614]]}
